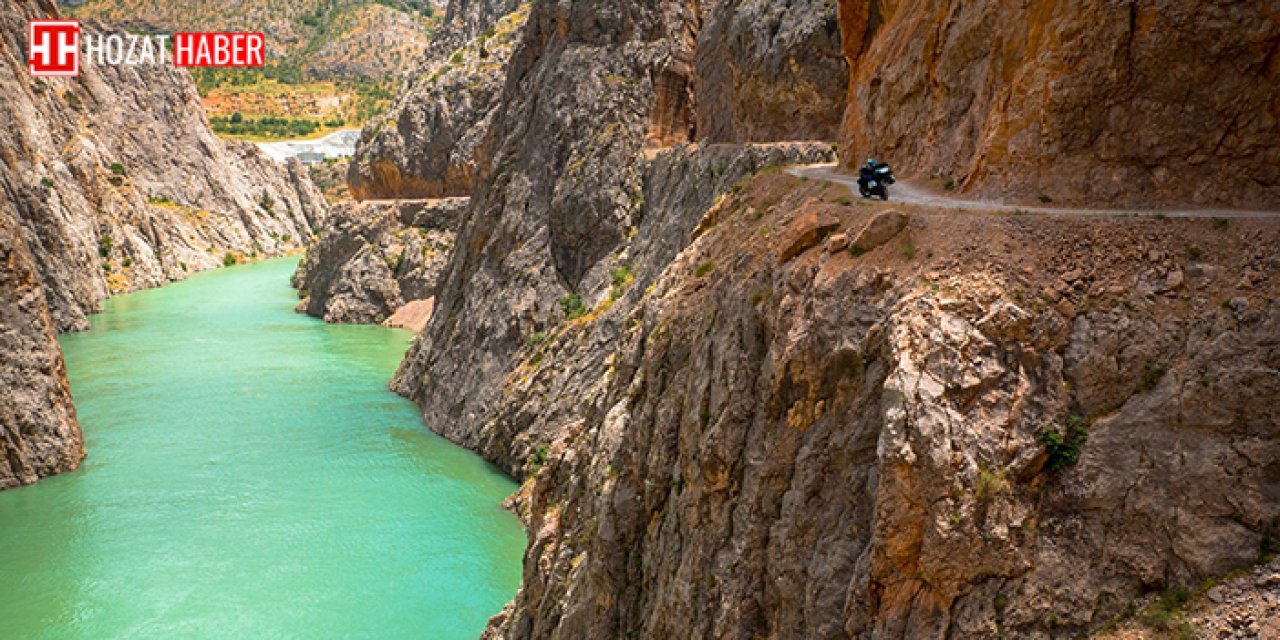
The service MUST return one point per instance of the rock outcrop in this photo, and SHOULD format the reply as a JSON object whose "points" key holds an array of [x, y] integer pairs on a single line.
{"points": [[372, 259], [111, 182], [734, 73], [39, 434], [481, 323], [426, 145], [889, 444], [1139, 103], [767, 71]]}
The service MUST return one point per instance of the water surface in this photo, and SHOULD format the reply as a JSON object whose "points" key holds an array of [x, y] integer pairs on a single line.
{"points": [[250, 476]]}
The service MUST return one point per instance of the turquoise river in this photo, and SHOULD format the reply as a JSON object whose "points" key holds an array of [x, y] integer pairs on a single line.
{"points": [[250, 476]]}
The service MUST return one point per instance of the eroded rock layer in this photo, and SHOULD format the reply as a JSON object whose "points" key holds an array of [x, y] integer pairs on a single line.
{"points": [[1139, 102]]}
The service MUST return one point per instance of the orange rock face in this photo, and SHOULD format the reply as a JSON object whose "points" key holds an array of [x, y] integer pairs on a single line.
{"points": [[1141, 102]]}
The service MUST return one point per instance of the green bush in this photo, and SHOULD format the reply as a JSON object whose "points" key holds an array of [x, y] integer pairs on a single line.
{"points": [[118, 169], [538, 458], [620, 278], [1063, 446], [704, 268], [572, 306], [105, 243], [229, 259]]}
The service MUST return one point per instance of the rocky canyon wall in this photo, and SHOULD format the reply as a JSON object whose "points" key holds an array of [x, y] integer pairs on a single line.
{"points": [[371, 259], [768, 71], [571, 200], [819, 423], [427, 144], [1137, 103], [738, 72], [39, 434], [744, 406], [111, 182]]}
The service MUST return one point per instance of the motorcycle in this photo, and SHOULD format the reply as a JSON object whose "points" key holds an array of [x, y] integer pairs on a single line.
{"points": [[874, 182]]}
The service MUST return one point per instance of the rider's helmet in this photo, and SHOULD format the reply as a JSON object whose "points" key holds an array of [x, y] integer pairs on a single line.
{"points": [[871, 163]]}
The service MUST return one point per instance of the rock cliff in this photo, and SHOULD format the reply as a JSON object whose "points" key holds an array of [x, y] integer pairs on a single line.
{"points": [[111, 182], [39, 434], [426, 145], [1137, 103], [119, 183], [970, 427], [735, 72], [767, 71], [744, 406], [373, 258]]}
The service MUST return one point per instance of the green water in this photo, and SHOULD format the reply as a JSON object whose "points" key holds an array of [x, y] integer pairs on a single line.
{"points": [[250, 476]]}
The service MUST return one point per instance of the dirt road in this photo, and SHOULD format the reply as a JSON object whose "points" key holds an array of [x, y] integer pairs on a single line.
{"points": [[911, 192]]}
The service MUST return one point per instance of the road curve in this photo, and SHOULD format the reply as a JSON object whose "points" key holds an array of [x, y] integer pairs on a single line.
{"points": [[908, 192]]}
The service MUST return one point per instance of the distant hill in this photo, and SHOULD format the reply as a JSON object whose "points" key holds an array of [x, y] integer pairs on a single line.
{"points": [[306, 39]]}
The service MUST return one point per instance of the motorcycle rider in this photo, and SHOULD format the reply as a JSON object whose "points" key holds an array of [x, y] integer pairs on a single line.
{"points": [[868, 172], [873, 178]]}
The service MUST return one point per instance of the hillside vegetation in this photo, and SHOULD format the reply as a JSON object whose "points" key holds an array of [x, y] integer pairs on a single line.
{"points": [[329, 62]]}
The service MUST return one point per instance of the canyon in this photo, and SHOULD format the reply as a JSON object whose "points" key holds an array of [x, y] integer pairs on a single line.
{"points": [[745, 403], [112, 182]]}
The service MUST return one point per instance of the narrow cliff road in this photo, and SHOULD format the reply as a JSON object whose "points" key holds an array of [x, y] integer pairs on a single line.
{"points": [[910, 192]]}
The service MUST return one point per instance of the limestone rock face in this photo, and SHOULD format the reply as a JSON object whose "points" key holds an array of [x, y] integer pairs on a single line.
{"points": [[109, 182], [427, 144], [482, 323], [735, 72], [767, 71], [466, 19], [371, 259], [1139, 102], [39, 434], [854, 446]]}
